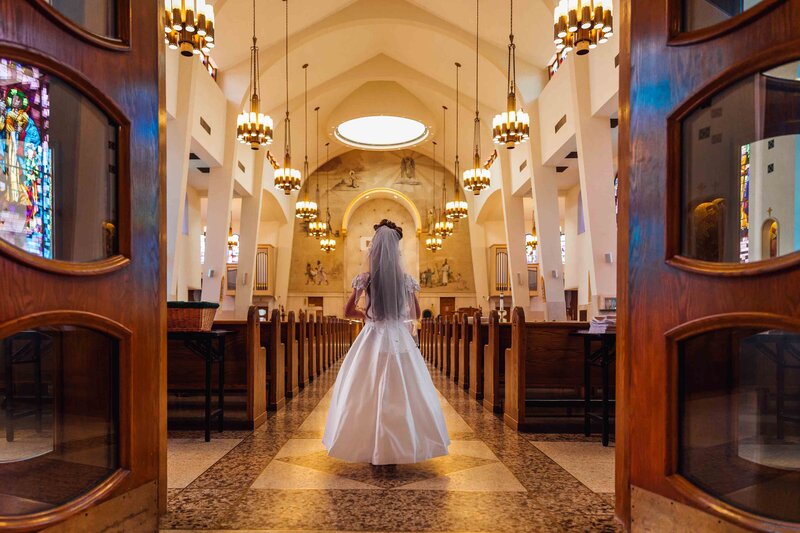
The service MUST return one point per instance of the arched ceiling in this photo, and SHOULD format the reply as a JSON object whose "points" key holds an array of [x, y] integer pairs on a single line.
{"points": [[411, 42]]}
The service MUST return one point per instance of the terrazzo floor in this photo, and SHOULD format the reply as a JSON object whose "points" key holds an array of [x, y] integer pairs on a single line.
{"points": [[279, 478]]}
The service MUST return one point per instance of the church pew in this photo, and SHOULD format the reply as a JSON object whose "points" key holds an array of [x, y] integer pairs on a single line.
{"points": [[318, 344], [464, 346], [498, 341], [423, 339], [480, 332], [276, 361], [434, 329], [544, 371], [311, 343], [289, 339], [302, 350], [256, 371], [445, 337], [455, 341]]}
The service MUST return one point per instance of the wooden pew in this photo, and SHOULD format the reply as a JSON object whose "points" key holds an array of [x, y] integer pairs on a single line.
{"points": [[433, 341], [464, 344], [311, 331], [455, 341], [289, 339], [477, 348], [544, 370], [498, 341], [302, 351], [445, 345], [319, 345], [276, 361]]}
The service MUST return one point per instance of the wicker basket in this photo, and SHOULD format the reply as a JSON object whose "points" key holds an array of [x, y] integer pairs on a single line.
{"points": [[190, 316]]}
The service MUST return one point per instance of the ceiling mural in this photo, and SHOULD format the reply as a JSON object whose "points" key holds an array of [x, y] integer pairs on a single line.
{"points": [[351, 176]]}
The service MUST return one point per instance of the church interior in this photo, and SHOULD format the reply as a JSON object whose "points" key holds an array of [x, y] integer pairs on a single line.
{"points": [[608, 263]]}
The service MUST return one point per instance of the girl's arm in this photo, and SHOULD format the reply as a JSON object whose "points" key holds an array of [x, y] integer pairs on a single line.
{"points": [[350, 309]]}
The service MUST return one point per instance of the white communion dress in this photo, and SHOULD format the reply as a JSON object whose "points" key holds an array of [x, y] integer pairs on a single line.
{"points": [[385, 408]]}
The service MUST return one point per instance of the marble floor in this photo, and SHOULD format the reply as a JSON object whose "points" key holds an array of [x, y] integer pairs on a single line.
{"points": [[279, 478]]}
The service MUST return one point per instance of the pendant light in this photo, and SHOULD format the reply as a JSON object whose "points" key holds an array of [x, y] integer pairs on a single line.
{"points": [[456, 208], [477, 178], [327, 243], [317, 228], [434, 243], [513, 126], [532, 239], [189, 26], [443, 227], [581, 25], [287, 179], [253, 127], [306, 209]]}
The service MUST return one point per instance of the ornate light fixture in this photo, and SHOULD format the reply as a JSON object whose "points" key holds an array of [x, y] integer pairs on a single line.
{"points": [[287, 179], [443, 227], [456, 208], [477, 178], [581, 25], [306, 209], [434, 242], [514, 125], [189, 26], [328, 242], [253, 127], [532, 239], [317, 228]]}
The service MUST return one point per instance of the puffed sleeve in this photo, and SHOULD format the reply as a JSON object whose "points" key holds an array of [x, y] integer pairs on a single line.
{"points": [[360, 281], [412, 285]]}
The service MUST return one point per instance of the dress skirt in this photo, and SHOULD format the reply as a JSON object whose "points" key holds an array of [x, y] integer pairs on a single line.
{"points": [[385, 408]]}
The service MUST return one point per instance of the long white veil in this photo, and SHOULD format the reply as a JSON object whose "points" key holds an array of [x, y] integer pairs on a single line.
{"points": [[387, 291]]}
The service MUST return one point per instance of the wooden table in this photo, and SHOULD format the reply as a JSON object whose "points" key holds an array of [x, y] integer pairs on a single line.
{"points": [[603, 357], [201, 343]]}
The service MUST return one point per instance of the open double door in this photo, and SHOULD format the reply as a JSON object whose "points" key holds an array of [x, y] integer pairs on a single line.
{"points": [[709, 340], [82, 306]]}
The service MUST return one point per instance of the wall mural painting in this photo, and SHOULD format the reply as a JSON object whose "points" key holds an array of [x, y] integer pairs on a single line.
{"points": [[26, 159], [355, 172]]}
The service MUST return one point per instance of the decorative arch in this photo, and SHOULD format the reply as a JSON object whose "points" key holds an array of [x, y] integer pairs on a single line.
{"points": [[388, 193], [770, 233]]}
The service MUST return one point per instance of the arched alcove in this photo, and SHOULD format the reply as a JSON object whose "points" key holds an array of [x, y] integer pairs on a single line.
{"points": [[769, 239]]}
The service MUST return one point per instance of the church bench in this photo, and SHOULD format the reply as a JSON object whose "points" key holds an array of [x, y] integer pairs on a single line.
{"points": [[445, 344], [498, 342], [302, 350], [479, 333], [435, 345], [423, 339], [245, 374], [276, 361], [455, 341], [464, 347], [544, 374], [289, 340]]}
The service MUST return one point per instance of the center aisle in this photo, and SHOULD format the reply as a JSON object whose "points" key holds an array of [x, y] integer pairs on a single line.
{"points": [[280, 478]]}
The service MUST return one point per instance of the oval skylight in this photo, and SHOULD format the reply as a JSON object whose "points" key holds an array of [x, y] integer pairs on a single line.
{"points": [[381, 132]]}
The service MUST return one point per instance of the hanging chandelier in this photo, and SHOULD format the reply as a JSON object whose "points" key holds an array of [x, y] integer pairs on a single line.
{"points": [[477, 178], [287, 179], [532, 239], [189, 26], [435, 241], [306, 209], [317, 228], [456, 208], [253, 127], [513, 126], [433, 244], [581, 25], [443, 227], [327, 244]]}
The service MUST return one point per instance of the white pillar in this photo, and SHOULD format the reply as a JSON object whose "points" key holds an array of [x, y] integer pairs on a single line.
{"points": [[477, 237], [544, 187], [284, 252], [596, 168], [514, 222], [218, 216], [179, 139], [249, 222]]}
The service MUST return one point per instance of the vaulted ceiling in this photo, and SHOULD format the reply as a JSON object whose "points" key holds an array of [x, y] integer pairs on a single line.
{"points": [[413, 43]]}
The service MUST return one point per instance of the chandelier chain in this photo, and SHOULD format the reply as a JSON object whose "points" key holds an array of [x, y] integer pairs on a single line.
{"points": [[444, 156], [456, 166], [287, 142], [316, 110]]}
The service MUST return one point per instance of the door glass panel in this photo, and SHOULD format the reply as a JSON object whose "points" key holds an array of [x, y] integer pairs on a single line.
{"points": [[97, 16], [699, 14], [58, 165], [740, 167], [740, 418], [59, 416]]}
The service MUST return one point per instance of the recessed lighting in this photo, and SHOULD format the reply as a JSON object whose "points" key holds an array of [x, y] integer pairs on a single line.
{"points": [[381, 132]]}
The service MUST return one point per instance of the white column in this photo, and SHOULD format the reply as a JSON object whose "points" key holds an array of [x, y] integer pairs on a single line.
{"points": [[477, 237], [284, 252], [596, 168], [250, 220], [514, 222], [544, 188], [220, 198], [179, 139]]}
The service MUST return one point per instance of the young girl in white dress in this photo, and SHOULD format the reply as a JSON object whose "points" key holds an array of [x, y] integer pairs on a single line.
{"points": [[385, 409]]}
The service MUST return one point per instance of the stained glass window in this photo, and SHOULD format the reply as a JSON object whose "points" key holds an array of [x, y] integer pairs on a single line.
{"points": [[744, 205]]}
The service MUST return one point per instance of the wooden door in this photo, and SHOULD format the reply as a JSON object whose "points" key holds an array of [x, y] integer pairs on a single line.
{"points": [[447, 305], [82, 316], [709, 278]]}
